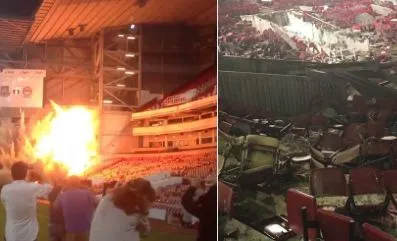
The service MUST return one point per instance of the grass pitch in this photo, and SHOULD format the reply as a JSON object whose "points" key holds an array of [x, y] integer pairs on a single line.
{"points": [[43, 215]]}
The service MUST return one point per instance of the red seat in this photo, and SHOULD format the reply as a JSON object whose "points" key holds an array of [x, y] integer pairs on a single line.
{"points": [[354, 134], [376, 129], [365, 181], [384, 115], [359, 103], [225, 198], [389, 179], [328, 182], [296, 200], [331, 142], [335, 227], [372, 233]]}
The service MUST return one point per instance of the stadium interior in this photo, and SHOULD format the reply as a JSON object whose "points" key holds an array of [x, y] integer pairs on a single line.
{"points": [[126, 89], [307, 120]]}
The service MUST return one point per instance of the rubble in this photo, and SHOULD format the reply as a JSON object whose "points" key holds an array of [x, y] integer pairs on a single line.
{"points": [[343, 31]]}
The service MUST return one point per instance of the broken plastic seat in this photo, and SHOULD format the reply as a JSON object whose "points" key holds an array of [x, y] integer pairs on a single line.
{"points": [[335, 227], [299, 203], [329, 187], [372, 233], [368, 194]]}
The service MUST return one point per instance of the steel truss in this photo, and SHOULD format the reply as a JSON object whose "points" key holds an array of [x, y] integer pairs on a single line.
{"points": [[117, 61], [67, 63]]}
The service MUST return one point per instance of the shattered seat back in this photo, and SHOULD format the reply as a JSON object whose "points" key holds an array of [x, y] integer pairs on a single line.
{"points": [[329, 186]]}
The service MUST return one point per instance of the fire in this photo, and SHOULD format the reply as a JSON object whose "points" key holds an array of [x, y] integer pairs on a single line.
{"points": [[67, 136]]}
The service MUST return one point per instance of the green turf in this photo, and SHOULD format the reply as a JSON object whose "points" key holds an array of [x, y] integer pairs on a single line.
{"points": [[42, 215]]}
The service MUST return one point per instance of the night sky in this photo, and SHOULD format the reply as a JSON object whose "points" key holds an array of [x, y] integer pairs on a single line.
{"points": [[19, 8]]}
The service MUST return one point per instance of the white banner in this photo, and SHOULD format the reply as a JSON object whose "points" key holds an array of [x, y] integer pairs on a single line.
{"points": [[22, 88]]}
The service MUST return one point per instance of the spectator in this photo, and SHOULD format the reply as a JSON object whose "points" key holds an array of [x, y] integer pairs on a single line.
{"points": [[77, 206], [205, 209], [186, 219], [20, 201], [123, 213], [199, 166], [56, 224]]}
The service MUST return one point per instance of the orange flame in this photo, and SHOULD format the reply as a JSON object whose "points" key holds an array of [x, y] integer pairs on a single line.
{"points": [[67, 136]]}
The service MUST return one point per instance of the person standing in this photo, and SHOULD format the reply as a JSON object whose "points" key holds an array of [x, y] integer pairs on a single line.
{"points": [[20, 201], [205, 209], [187, 218], [56, 224], [77, 206], [123, 213]]}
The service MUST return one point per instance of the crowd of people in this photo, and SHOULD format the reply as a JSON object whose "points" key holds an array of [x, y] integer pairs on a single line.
{"points": [[196, 165], [119, 207]]}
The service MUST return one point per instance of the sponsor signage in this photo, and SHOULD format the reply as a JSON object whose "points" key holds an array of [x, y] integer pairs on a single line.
{"points": [[190, 94], [22, 88]]}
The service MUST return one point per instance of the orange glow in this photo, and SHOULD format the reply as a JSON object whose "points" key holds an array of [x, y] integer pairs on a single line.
{"points": [[67, 136]]}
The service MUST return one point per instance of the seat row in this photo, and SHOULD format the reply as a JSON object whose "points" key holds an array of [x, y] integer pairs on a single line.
{"points": [[305, 218], [363, 194]]}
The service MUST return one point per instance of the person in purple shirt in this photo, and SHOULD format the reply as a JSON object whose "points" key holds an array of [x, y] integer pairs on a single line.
{"points": [[77, 206]]}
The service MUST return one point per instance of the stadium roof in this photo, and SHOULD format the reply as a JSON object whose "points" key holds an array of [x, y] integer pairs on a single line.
{"points": [[13, 32], [15, 22], [52, 19], [55, 17]]}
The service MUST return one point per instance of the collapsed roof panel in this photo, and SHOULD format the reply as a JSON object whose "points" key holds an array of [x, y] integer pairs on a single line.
{"points": [[377, 87]]}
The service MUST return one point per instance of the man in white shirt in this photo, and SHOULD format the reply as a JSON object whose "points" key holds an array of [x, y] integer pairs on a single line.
{"points": [[20, 201]]}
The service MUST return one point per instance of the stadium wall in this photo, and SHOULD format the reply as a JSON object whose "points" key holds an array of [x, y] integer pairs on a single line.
{"points": [[241, 64], [282, 94], [116, 133]]}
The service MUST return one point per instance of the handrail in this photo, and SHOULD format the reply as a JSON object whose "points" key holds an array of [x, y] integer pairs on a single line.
{"points": [[197, 104], [159, 150], [176, 128]]}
